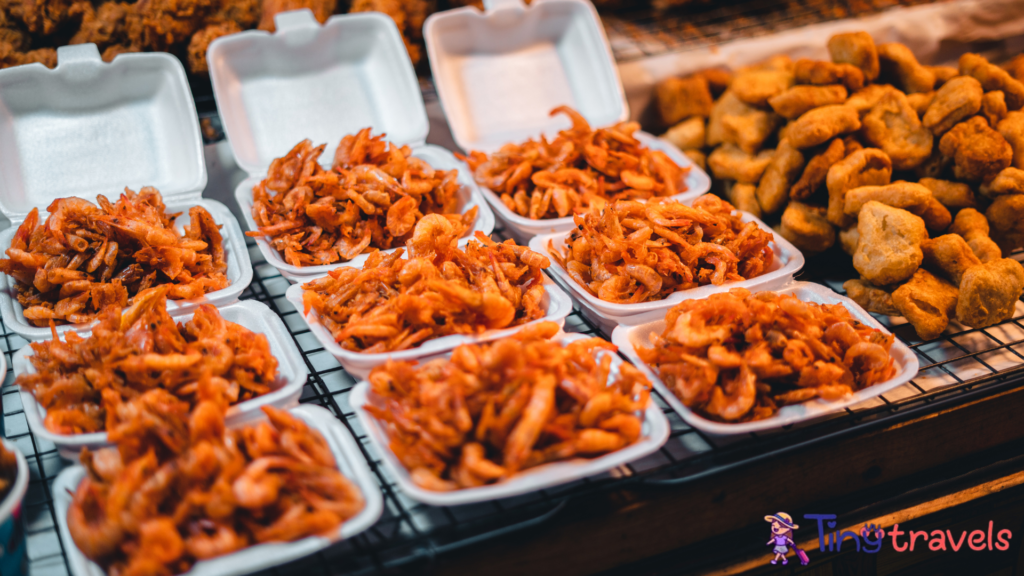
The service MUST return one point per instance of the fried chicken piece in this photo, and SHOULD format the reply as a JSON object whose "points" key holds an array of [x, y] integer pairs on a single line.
{"points": [[993, 107], [972, 226], [993, 77], [952, 195], [743, 197], [105, 26], [858, 49], [866, 167], [244, 13], [756, 87], [1006, 217], [920, 102], [898, 63], [864, 100], [688, 134], [977, 150], [1008, 181], [822, 124], [806, 227], [1012, 129], [817, 170], [818, 72], [40, 17], [201, 41], [889, 250], [893, 126], [782, 171], [322, 10], [799, 99], [957, 99], [871, 298], [943, 74], [730, 163], [927, 302], [163, 24], [910, 196], [989, 293], [950, 255], [681, 98]]}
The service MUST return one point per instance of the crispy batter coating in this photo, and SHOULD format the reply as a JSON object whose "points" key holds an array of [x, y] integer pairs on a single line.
{"points": [[927, 302], [920, 102], [864, 100], [893, 126], [688, 134], [950, 255], [737, 356], [952, 195], [728, 106], [806, 227], [757, 87], [1008, 181], [993, 107], [581, 169], [731, 163], [1016, 67], [979, 152], [698, 157], [958, 99], [1006, 217], [973, 227], [858, 49], [743, 197], [531, 401], [820, 73], [104, 26], [889, 250], [993, 77], [680, 247], [943, 74], [989, 292], [164, 24], [797, 100], [910, 196], [871, 298], [822, 124], [1012, 129], [866, 167], [816, 172], [848, 239], [681, 98], [82, 381], [900, 65], [201, 41], [782, 171]]}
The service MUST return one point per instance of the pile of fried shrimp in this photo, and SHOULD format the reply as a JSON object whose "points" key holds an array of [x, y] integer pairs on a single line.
{"points": [[85, 257], [180, 488], [737, 356], [395, 303], [80, 381], [369, 200], [638, 252], [495, 409], [581, 169]]}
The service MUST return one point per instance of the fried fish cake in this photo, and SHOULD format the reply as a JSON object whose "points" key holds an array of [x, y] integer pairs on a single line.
{"points": [[952, 195], [727, 105], [950, 255], [957, 99], [993, 107], [681, 98], [1008, 181], [806, 227], [822, 124], [977, 150], [893, 126], [871, 298], [889, 250], [972, 226], [900, 65], [927, 302], [1006, 218], [816, 171], [993, 77], [864, 100], [731, 163], [756, 87], [743, 197], [1012, 129], [782, 171], [989, 293], [688, 134], [866, 167], [799, 99], [820, 73], [857, 49]]}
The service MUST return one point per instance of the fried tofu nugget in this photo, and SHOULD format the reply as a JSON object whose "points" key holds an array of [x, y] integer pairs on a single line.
{"points": [[680, 98], [977, 150], [1006, 218], [688, 134], [950, 255], [952, 195], [806, 227], [857, 49], [957, 99], [927, 302], [799, 99], [731, 163], [822, 124], [989, 292], [816, 171], [993, 77], [900, 65], [782, 171], [1008, 181], [1012, 129], [871, 298], [866, 167], [893, 126], [743, 197], [820, 73], [993, 107], [889, 250], [756, 87], [972, 226]]}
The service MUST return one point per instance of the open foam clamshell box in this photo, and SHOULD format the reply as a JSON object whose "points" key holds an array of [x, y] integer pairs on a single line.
{"points": [[629, 338], [322, 83], [261, 556], [255, 316], [87, 128], [500, 72]]}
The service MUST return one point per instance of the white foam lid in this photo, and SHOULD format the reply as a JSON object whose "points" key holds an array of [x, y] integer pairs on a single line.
{"points": [[500, 72], [317, 82], [88, 127]]}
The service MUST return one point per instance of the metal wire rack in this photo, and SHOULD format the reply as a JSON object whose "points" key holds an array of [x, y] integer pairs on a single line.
{"points": [[954, 369]]}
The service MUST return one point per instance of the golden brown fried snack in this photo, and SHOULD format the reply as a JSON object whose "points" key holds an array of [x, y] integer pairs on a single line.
{"points": [[899, 64], [893, 126], [927, 302], [993, 107], [1012, 129], [900, 194], [680, 98], [41, 17], [698, 157], [821, 73], [688, 134], [989, 293], [817, 170], [1006, 218], [730, 163], [806, 227], [851, 144], [165, 24], [889, 250], [244, 13], [977, 150], [743, 197], [756, 87], [950, 255], [104, 27], [993, 77], [957, 99], [952, 195], [718, 79], [1016, 67], [972, 226], [782, 171], [867, 167], [822, 124], [848, 239], [865, 99], [1008, 181], [201, 41], [936, 216], [943, 74], [858, 49], [750, 131], [871, 298], [727, 105], [920, 102], [799, 99]]}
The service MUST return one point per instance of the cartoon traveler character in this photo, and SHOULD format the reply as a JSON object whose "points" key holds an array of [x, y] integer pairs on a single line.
{"points": [[782, 535]]}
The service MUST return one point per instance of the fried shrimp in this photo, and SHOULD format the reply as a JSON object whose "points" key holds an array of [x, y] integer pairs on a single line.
{"points": [[495, 409]]}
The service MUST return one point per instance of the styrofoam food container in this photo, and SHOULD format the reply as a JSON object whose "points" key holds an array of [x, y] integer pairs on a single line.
{"points": [[655, 431], [786, 263], [555, 302], [12, 500], [628, 338], [500, 72], [250, 314], [89, 128], [321, 83], [261, 556]]}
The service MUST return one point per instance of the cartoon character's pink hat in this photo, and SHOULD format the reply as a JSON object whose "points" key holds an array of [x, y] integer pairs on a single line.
{"points": [[782, 518]]}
